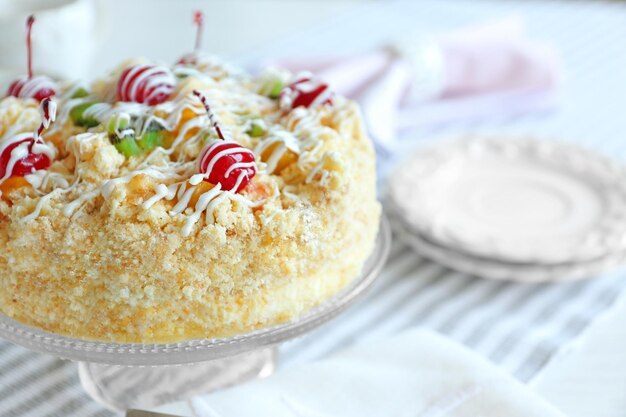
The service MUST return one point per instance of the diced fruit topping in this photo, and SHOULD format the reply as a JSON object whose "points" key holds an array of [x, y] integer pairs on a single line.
{"points": [[200, 189], [256, 128], [11, 184], [153, 135], [147, 84], [305, 91], [82, 118], [285, 157], [79, 92], [122, 135], [272, 82]]}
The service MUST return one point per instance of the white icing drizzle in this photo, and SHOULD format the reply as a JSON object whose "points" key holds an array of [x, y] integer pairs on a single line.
{"points": [[42, 201], [29, 142], [178, 178], [204, 201], [207, 202], [288, 190], [161, 191], [44, 179], [268, 219], [70, 208], [282, 141], [104, 190], [122, 119], [98, 111], [17, 153], [318, 167]]}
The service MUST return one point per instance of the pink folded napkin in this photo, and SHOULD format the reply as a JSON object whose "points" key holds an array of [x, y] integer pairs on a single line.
{"points": [[491, 70]]}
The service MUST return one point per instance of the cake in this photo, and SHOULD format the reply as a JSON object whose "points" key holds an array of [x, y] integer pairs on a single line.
{"points": [[166, 203]]}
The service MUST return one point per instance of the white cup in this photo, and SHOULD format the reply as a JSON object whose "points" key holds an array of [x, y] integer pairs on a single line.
{"points": [[65, 37]]}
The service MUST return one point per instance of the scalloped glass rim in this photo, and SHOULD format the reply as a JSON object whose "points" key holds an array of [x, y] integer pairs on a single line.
{"points": [[198, 350]]}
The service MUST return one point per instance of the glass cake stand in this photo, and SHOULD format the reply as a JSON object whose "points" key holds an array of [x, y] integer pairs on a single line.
{"points": [[132, 375]]}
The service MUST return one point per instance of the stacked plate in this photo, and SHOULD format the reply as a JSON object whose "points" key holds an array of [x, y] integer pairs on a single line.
{"points": [[513, 208]]}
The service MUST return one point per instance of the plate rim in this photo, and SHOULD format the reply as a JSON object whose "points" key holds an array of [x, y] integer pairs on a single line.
{"points": [[463, 145], [502, 271]]}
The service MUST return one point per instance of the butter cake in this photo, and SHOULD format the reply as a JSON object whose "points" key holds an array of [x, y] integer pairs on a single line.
{"points": [[165, 203]]}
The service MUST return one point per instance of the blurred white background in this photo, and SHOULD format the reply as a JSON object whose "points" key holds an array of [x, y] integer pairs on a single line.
{"points": [[231, 27]]}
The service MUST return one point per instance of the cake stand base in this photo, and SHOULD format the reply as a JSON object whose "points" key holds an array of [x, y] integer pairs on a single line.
{"points": [[120, 388]]}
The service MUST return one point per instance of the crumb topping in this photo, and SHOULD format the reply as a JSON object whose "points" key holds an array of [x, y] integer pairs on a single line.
{"points": [[153, 152]]}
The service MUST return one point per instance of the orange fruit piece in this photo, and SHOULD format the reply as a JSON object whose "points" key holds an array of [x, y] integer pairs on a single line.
{"points": [[257, 190], [11, 184], [200, 189], [288, 158], [186, 115]]}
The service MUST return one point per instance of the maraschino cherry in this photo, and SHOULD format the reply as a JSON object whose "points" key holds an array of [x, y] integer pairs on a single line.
{"points": [[27, 86], [225, 162], [192, 57], [25, 153], [146, 83], [306, 91]]}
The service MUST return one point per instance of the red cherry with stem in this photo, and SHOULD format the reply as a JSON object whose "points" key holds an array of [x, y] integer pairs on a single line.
{"points": [[305, 91], [147, 84], [225, 162], [39, 87], [192, 58], [228, 164], [25, 153], [25, 159], [198, 19]]}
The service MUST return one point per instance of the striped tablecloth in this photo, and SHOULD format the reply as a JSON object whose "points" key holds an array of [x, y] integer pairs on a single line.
{"points": [[517, 326]]}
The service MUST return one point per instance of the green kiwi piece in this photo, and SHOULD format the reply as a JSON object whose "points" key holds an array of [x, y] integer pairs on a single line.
{"points": [[257, 128], [77, 114], [150, 140], [80, 92], [153, 135], [276, 88], [122, 135], [128, 147]]}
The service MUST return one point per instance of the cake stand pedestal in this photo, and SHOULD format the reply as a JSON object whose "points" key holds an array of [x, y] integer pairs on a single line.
{"points": [[125, 387], [133, 375]]}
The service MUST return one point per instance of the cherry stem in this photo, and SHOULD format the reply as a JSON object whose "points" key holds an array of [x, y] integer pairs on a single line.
{"points": [[29, 28], [48, 114], [212, 117], [198, 19]]}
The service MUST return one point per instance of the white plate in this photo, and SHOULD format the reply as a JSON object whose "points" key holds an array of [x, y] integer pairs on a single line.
{"points": [[514, 200], [520, 272]]}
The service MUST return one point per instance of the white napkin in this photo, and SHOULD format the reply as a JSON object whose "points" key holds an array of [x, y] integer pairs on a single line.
{"points": [[418, 373], [490, 71], [594, 366]]}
